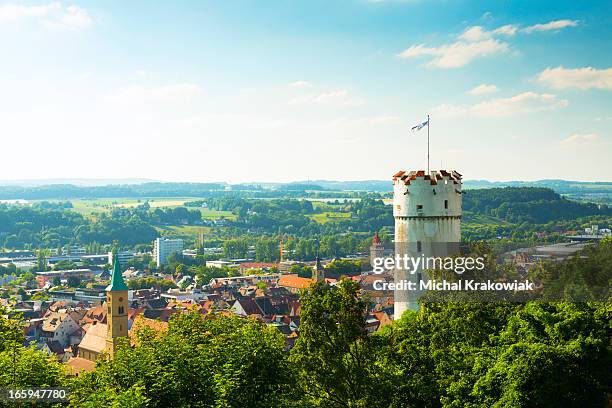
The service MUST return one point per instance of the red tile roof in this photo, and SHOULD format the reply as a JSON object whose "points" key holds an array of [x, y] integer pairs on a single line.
{"points": [[294, 281]]}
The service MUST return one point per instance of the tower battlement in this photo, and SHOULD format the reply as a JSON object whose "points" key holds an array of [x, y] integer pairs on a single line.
{"points": [[418, 194]]}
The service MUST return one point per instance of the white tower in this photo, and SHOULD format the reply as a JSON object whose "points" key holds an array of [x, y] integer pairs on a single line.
{"points": [[427, 212]]}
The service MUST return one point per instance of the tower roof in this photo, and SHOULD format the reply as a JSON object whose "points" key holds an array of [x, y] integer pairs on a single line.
{"points": [[376, 239], [117, 282]]}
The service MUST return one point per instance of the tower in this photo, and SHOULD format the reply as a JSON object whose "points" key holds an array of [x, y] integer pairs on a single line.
{"points": [[318, 272], [117, 304], [377, 249], [427, 212]]}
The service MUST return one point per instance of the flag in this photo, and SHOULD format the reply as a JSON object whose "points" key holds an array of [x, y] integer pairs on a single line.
{"points": [[420, 126]]}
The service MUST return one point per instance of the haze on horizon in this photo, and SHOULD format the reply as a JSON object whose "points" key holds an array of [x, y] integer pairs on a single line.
{"points": [[277, 92]]}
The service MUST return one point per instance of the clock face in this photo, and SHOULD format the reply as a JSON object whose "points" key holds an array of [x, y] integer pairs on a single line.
{"points": [[121, 299]]}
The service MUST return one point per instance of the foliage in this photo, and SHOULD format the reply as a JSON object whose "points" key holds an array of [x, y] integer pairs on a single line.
{"points": [[200, 361], [334, 358], [24, 366]]}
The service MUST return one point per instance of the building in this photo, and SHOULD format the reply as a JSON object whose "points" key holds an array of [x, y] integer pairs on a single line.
{"points": [[221, 264], [94, 296], [93, 344], [262, 266], [117, 306], [104, 338], [294, 283], [318, 272], [377, 249], [427, 212], [592, 234], [43, 277], [163, 247], [285, 266], [74, 250], [123, 256], [59, 327]]}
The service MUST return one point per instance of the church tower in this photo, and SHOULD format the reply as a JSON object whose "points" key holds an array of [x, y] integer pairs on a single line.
{"points": [[377, 249], [318, 272], [117, 304], [427, 212]]}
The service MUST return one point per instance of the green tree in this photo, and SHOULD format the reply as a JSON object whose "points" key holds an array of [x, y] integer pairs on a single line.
{"points": [[73, 282], [200, 361], [41, 261], [334, 358], [24, 366]]}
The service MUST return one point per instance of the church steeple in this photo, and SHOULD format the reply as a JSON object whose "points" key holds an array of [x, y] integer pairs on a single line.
{"points": [[117, 304], [318, 272], [117, 282]]}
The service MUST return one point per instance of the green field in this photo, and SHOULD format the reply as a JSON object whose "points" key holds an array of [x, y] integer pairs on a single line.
{"points": [[183, 231], [88, 207], [216, 214], [328, 216]]}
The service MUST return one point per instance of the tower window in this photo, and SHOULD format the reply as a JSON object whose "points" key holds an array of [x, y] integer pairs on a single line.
{"points": [[419, 206], [446, 204], [121, 310], [419, 247]]}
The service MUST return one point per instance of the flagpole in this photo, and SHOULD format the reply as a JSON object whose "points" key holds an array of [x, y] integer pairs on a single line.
{"points": [[428, 125]]}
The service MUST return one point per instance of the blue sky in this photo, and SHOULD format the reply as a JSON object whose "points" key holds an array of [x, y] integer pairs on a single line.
{"points": [[278, 91]]}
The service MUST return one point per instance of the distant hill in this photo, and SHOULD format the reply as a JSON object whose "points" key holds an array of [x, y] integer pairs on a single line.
{"points": [[360, 185], [528, 204], [74, 182], [598, 192]]}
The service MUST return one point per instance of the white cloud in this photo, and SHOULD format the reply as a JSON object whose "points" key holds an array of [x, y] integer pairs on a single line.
{"points": [[52, 16], [507, 30], [550, 26], [338, 98], [578, 78], [457, 54], [579, 140], [299, 84], [476, 42], [482, 89], [475, 33], [526, 102]]}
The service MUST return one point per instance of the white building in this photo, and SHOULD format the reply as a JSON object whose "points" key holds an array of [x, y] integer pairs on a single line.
{"points": [[181, 296], [427, 212], [163, 247], [59, 326], [124, 257], [221, 264], [74, 250]]}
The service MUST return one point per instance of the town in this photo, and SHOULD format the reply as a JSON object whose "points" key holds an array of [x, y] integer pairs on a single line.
{"points": [[66, 296], [305, 204]]}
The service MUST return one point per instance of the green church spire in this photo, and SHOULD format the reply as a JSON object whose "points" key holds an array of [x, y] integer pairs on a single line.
{"points": [[117, 282]]}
